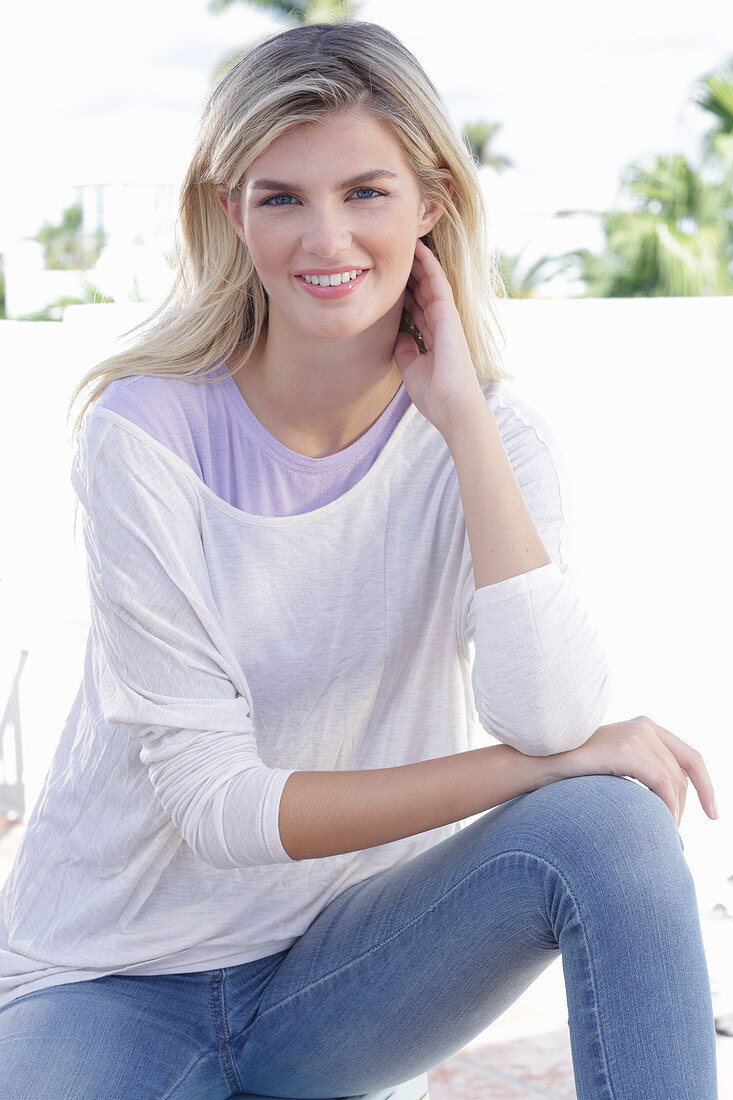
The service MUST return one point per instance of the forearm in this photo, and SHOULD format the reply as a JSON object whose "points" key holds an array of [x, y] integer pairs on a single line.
{"points": [[328, 813], [501, 533]]}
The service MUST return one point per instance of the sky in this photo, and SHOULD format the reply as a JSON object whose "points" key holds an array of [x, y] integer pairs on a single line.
{"points": [[93, 94]]}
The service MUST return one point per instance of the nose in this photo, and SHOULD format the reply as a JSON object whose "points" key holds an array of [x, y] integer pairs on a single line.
{"points": [[326, 233]]}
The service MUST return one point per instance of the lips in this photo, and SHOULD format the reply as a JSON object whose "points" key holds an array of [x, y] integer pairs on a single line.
{"points": [[331, 284], [335, 278]]}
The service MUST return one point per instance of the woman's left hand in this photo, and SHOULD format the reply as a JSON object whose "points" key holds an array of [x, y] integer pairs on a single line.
{"points": [[441, 381]]}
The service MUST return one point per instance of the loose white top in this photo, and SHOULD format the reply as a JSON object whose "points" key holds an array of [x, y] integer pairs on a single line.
{"points": [[228, 649]]}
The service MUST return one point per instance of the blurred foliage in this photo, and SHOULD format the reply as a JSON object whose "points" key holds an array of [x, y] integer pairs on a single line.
{"points": [[528, 283], [54, 311], [673, 232], [65, 246], [303, 11], [479, 137]]}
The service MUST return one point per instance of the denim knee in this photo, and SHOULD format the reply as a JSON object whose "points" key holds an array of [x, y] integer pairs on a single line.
{"points": [[598, 825]]}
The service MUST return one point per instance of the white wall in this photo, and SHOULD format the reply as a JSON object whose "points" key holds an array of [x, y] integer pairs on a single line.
{"points": [[639, 393]]}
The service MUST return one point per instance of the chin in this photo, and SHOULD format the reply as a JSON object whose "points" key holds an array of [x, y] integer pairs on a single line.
{"points": [[336, 331]]}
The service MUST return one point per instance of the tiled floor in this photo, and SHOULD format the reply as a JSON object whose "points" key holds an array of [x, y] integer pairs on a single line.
{"points": [[526, 1052]]}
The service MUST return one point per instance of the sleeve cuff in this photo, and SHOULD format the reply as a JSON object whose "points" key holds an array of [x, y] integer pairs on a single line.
{"points": [[523, 584], [270, 815]]}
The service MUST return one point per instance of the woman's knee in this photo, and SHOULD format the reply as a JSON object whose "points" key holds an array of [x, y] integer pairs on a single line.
{"points": [[598, 820]]}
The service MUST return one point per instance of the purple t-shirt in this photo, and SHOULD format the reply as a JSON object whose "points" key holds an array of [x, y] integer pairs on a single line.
{"points": [[212, 428]]}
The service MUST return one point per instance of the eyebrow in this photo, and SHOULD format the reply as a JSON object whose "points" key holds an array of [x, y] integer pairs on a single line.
{"points": [[363, 177]]}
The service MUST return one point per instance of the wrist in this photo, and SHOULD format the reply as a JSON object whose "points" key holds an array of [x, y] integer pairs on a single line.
{"points": [[459, 416], [524, 773]]}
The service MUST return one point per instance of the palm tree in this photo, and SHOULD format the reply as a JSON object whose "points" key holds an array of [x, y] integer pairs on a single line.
{"points": [[670, 240], [674, 232]]}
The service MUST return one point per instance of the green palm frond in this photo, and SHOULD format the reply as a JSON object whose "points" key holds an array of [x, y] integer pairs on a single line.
{"points": [[298, 11], [525, 284], [285, 9], [665, 185], [714, 93]]}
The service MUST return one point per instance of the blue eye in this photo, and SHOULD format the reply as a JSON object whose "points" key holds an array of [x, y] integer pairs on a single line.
{"points": [[274, 200], [359, 192]]}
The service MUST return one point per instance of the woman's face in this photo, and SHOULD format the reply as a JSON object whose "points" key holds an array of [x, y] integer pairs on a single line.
{"points": [[332, 203]]}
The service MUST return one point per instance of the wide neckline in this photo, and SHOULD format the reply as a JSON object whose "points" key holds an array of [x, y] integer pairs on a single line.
{"points": [[251, 518]]}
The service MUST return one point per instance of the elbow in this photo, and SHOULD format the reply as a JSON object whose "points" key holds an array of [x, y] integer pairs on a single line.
{"points": [[227, 816], [224, 848], [551, 719], [214, 854], [208, 844]]}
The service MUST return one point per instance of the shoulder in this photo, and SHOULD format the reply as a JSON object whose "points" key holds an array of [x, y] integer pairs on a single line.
{"points": [[136, 439], [175, 412], [166, 408]]}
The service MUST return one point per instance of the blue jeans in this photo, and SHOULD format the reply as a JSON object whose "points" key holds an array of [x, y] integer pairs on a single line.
{"points": [[403, 969]]}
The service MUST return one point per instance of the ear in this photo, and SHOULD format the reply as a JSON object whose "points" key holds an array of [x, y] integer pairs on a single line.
{"points": [[230, 201], [432, 212]]}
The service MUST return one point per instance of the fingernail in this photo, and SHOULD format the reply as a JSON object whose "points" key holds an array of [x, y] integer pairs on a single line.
{"points": [[715, 809]]}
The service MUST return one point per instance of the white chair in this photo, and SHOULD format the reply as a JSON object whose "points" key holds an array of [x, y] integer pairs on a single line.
{"points": [[416, 1089]]}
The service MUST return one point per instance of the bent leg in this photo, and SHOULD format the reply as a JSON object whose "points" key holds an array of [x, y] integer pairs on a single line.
{"points": [[403, 969], [639, 1001]]}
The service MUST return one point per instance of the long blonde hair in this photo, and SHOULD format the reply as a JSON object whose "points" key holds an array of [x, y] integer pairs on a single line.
{"points": [[217, 304]]}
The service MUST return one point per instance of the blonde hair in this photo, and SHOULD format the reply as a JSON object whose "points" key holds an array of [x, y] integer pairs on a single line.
{"points": [[217, 304]]}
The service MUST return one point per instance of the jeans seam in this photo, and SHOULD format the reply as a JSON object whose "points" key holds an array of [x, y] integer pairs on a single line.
{"points": [[174, 1087], [225, 1053], [474, 870]]}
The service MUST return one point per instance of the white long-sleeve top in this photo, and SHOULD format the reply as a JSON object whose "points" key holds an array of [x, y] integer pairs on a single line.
{"points": [[228, 649]]}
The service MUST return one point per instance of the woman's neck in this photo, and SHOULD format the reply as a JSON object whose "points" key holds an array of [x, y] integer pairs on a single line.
{"points": [[320, 398]]}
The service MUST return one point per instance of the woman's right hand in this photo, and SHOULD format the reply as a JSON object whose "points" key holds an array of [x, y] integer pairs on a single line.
{"points": [[640, 749]]}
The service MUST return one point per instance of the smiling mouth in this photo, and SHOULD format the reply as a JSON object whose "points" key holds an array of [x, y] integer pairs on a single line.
{"points": [[336, 279]]}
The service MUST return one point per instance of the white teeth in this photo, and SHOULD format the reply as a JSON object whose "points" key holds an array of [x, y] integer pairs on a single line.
{"points": [[332, 280]]}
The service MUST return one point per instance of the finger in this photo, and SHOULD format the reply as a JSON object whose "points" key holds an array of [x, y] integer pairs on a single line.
{"points": [[664, 754], [415, 312], [692, 763], [677, 776], [651, 737], [651, 772], [426, 256], [432, 273], [405, 351], [641, 757], [423, 276], [418, 294]]}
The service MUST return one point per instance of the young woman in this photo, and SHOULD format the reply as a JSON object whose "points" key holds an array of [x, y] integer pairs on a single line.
{"points": [[326, 547]]}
